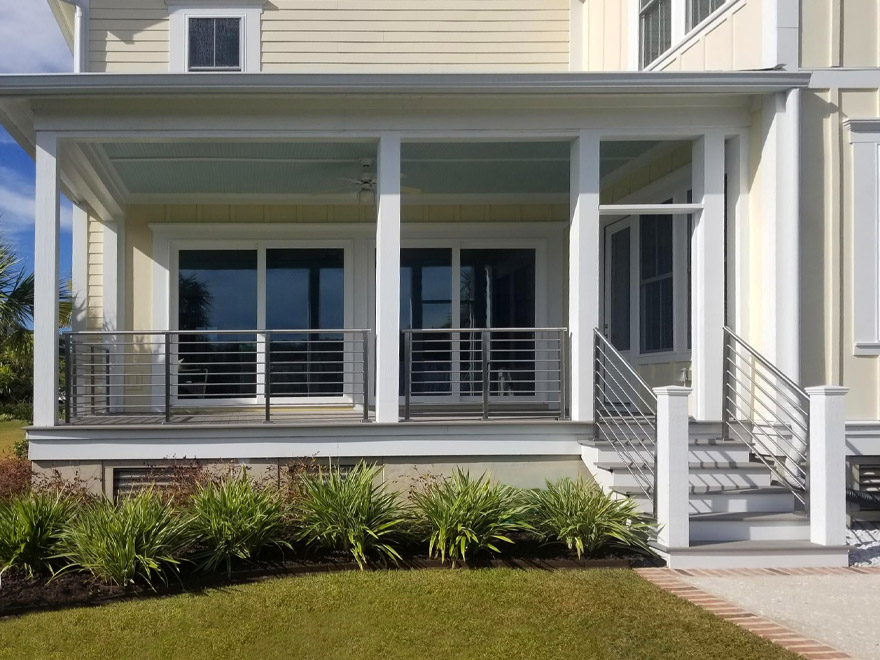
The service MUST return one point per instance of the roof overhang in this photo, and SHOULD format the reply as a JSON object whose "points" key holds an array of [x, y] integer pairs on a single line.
{"points": [[65, 16], [745, 82]]}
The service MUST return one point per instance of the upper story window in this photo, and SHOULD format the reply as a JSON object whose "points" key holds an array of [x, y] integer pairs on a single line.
{"points": [[655, 29], [215, 35], [699, 10], [214, 44]]}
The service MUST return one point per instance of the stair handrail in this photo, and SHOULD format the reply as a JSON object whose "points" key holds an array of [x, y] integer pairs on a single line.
{"points": [[786, 407], [626, 433]]}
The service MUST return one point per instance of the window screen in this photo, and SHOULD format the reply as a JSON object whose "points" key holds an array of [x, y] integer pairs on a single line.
{"points": [[215, 44], [699, 10], [655, 29]]}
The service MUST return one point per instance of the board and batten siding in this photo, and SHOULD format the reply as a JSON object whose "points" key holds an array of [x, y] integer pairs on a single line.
{"points": [[336, 36]]}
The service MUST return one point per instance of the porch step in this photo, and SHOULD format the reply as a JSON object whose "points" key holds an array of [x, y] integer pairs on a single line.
{"points": [[703, 451], [713, 476], [750, 526], [735, 500], [755, 554]]}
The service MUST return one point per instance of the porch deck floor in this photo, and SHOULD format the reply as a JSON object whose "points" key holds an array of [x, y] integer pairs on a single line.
{"points": [[308, 417]]}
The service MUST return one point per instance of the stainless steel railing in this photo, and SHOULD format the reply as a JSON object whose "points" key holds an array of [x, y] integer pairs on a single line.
{"points": [[484, 372], [626, 414], [766, 410], [191, 374]]}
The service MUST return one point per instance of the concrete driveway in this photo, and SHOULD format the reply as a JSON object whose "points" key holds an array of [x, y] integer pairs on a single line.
{"points": [[840, 608]]}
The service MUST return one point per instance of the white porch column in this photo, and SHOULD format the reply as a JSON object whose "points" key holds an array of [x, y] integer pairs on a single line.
{"points": [[828, 465], [583, 271], [673, 456], [47, 219], [114, 307], [707, 331], [80, 267], [388, 280]]}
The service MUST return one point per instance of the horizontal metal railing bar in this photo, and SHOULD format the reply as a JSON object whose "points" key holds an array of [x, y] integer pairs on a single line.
{"points": [[650, 403], [769, 365], [469, 330], [772, 427], [640, 427], [796, 492], [632, 372], [644, 424], [251, 331]]}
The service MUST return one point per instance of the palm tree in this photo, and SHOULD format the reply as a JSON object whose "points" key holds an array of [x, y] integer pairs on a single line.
{"points": [[16, 318]]}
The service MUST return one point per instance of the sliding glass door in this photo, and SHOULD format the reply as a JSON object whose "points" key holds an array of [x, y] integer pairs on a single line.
{"points": [[298, 294], [464, 288]]}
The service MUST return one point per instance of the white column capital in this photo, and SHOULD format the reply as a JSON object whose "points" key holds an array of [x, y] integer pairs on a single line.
{"points": [[673, 391], [827, 390]]}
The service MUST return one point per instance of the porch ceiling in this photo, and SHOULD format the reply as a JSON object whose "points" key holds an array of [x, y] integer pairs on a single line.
{"points": [[318, 169]]}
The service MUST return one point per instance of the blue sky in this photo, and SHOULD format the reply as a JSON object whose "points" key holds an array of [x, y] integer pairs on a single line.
{"points": [[30, 42]]}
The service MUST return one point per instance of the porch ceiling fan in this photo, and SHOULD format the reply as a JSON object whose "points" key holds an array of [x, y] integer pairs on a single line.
{"points": [[364, 186]]}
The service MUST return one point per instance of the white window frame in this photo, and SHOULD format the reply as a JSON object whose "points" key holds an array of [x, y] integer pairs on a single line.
{"points": [[249, 12], [865, 140], [674, 186]]}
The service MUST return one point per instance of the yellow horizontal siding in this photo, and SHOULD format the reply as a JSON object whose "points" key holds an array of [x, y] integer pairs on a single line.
{"points": [[128, 36]]}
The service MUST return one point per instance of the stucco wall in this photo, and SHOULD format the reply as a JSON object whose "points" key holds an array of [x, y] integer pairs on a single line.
{"points": [[357, 36]]}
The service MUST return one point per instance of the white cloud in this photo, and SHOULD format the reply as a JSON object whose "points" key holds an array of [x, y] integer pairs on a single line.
{"points": [[17, 204], [30, 39]]}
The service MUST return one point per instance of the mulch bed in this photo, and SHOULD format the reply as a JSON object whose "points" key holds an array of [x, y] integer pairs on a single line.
{"points": [[20, 594]]}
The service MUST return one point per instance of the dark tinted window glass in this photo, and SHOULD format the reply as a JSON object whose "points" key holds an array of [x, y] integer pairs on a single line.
{"points": [[655, 238], [217, 290], [699, 10], [214, 43], [305, 289]]}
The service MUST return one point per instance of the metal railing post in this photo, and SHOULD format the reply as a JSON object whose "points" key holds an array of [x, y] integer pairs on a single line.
{"points": [[407, 375], [365, 338], [167, 377], [596, 385], [484, 353], [92, 374], [267, 376], [563, 375], [67, 376], [725, 390]]}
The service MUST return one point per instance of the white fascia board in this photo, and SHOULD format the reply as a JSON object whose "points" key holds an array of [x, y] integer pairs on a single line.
{"points": [[628, 82], [840, 78], [64, 15]]}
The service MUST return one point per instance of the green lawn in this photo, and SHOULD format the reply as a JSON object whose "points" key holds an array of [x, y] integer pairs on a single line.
{"points": [[9, 433], [498, 614]]}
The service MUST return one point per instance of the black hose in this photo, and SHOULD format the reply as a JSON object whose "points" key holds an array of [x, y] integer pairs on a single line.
{"points": [[863, 497]]}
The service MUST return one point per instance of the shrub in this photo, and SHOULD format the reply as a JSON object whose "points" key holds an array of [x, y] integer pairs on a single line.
{"points": [[22, 411], [138, 538], [587, 520], [20, 448], [15, 477], [349, 512], [461, 515], [30, 531], [236, 519]]}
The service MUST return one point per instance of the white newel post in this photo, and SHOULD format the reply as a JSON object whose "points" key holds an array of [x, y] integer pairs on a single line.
{"points": [[46, 232], [388, 280], [583, 282], [707, 284], [827, 471], [673, 489]]}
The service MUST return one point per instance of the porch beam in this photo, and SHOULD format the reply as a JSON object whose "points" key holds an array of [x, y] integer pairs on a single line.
{"points": [[388, 279], [707, 330], [583, 287], [649, 209], [47, 220]]}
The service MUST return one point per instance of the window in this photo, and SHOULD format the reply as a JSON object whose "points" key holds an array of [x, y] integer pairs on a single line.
{"points": [[655, 287], [209, 36], [699, 10], [214, 44], [655, 29]]}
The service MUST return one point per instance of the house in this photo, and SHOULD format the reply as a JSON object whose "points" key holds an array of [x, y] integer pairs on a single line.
{"points": [[545, 238]]}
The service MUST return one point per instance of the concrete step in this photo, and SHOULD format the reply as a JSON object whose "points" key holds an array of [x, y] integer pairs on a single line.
{"points": [[700, 452], [755, 554], [738, 500], [750, 526]]}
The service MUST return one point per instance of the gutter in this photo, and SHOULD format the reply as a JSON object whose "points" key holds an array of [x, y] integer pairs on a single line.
{"points": [[741, 82]]}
